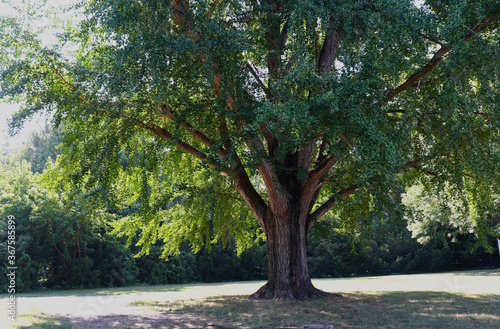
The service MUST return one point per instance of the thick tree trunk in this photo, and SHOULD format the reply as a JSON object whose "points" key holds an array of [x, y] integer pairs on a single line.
{"points": [[288, 277]]}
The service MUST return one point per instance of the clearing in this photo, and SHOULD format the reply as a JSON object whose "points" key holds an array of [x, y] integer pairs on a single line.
{"points": [[446, 300]]}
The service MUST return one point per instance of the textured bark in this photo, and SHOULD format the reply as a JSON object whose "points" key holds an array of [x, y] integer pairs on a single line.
{"points": [[288, 277], [329, 50]]}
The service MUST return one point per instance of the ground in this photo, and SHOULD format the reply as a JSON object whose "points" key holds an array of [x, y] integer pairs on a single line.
{"points": [[447, 300]]}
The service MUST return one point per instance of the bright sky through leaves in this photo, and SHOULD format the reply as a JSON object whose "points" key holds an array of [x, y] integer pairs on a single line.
{"points": [[6, 110]]}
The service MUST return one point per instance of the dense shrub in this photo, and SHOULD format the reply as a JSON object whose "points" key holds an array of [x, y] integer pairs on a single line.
{"points": [[152, 269], [393, 250], [60, 245]]}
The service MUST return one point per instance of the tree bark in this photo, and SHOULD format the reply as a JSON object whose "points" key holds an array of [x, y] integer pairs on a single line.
{"points": [[288, 277]]}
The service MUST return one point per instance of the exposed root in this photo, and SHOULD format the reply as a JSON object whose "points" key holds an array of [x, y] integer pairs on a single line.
{"points": [[304, 293]]}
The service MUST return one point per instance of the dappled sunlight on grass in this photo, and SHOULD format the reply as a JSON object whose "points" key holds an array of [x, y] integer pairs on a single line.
{"points": [[457, 300], [41, 321], [353, 310]]}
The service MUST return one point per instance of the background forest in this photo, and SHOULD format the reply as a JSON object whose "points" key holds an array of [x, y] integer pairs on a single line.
{"points": [[64, 241]]}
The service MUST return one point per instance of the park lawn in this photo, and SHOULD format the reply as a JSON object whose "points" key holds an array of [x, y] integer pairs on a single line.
{"points": [[351, 310], [446, 300]]}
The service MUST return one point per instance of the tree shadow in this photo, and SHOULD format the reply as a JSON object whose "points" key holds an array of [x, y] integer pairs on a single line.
{"points": [[353, 310], [122, 321]]}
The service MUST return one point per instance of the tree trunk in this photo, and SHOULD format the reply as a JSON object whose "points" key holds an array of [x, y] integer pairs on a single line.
{"points": [[288, 277]]}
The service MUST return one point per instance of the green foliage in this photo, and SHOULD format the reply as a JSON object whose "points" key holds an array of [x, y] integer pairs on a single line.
{"points": [[41, 146], [162, 118], [457, 211], [181, 268], [388, 248], [58, 243], [48, 256]]}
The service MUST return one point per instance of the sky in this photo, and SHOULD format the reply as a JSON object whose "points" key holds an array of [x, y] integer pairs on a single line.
{"points": [[14, 143]]}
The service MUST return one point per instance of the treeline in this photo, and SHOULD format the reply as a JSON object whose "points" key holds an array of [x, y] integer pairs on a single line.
{"points": [[64, 242], [55, 251]]}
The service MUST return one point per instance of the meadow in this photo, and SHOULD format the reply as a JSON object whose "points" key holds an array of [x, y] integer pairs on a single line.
{"points": [[445, 300]]}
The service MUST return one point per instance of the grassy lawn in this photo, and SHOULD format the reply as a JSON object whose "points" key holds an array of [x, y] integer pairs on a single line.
{"points": [[447, 300], [382, 310]]}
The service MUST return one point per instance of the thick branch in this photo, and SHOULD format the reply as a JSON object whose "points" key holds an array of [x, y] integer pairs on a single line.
{"points": [[212, 8], [322, 147], [312, 185], [190, 129], [430, 38], [330, 203], [277, 201], [304, 157], [274, 39], [224, 132], [417, 164], [250, 195], [180, 10], [259, 81], [322, 168], [272, 142], [435, 60], [330, 46], [166, 135], [163, 132]]}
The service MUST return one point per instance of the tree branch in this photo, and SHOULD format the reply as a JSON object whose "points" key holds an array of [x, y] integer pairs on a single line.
{"points": [[321, 149], [322, 168], [250, 195], [330, 203], [489, 115], [259, 81], [212, 8], [277, 201], [435, 60], [330, 47], [224, 132], [430, 38], [304, 157], [417, 164], [166, 135], [190, 129], [163, 132]]}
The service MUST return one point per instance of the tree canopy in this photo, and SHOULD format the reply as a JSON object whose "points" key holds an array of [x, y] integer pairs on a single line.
{"points": [[205, 118]]}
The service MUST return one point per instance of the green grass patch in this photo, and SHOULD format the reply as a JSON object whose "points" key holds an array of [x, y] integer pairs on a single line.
{"points": [[445, 300], [42, 321], [352, 310]]}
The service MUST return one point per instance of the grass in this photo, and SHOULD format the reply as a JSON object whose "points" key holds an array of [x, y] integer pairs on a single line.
{"points": [[353, 310], [447, 300]]}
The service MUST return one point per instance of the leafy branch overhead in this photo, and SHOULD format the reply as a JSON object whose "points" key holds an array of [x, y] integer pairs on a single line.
{"points": [[297, 106]]}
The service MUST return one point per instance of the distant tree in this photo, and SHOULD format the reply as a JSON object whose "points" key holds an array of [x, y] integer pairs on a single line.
{"points": [[196, 111], [59, 240], [451, 213], [40, 147]]}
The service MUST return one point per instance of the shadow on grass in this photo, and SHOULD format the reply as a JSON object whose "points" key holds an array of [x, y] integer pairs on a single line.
{"points": [[381, 310], [43, 321]]}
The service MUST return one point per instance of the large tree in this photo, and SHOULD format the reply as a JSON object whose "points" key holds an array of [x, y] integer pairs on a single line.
{"points": [[298, 106]]}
